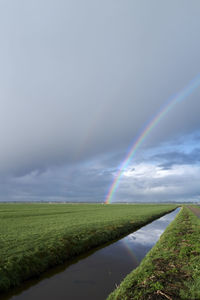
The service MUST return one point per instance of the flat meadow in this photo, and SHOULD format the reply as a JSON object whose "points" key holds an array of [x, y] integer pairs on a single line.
{"points": [[36, 237]]}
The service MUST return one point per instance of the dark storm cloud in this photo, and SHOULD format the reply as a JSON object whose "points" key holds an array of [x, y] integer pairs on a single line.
{"points": [[146, 179], [78, 183], [81, 78], [78, 81], [178, 158]]}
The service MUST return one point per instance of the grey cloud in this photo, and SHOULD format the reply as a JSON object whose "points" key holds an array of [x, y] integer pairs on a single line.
{"points": [[77, 183], [90, 182], [169, 159], [79, 79]]}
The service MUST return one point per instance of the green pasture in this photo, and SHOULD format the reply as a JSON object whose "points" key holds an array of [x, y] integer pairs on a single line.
{"points": [[35, 237]]}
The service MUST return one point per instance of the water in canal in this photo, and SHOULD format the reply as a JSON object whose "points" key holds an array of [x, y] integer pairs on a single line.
{"points": [[95, 276]]}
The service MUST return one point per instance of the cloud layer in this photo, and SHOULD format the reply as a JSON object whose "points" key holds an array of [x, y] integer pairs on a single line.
{"points": [[145, 180], [78, 81]]}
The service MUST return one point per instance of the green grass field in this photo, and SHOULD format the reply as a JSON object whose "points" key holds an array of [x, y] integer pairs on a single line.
{"points": [[35, 237], [171, 270]]}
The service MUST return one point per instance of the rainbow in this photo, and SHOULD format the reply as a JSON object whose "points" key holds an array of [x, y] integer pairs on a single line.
{"points": [[147, 129], [130, 251]]}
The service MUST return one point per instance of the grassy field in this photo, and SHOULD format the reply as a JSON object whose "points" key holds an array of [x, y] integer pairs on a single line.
{"points": [[35, 237], [171, 270]]}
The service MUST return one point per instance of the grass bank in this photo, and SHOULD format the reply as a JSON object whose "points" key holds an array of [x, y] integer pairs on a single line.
{"points": [[171, 270], [35, 237]]}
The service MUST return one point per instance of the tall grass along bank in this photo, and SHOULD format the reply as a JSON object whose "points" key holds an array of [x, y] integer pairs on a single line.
{"points": [[171, 270], [35, 237]]}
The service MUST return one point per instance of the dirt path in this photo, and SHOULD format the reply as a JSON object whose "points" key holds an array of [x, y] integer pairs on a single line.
{"points": [[195, 210]]}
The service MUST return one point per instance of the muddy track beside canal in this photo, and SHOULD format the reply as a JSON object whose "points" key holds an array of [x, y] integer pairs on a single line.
{"points": [[195, 210]]}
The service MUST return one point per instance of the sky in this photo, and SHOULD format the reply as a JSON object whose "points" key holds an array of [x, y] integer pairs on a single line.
{"points": [[78, 82]]}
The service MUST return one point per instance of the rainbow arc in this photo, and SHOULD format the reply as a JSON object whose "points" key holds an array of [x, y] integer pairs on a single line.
{"points": [[164, 110]]}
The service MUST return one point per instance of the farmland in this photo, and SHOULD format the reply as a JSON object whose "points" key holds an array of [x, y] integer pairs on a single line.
{"points": [[171, 270], [36, 237]]}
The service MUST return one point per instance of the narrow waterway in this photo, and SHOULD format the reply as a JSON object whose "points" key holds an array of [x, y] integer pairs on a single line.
{"points": [[95, 276]]}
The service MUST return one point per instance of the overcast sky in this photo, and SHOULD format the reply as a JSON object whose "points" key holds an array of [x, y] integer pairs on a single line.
{"points": [[78, 81]]}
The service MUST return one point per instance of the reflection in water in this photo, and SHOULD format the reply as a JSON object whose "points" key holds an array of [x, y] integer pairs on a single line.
{"points": [[141, 241], [95, 276]]}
